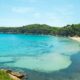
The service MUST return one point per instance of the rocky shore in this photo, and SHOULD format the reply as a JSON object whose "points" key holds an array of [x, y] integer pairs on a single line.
{"points": [[14, 75]]}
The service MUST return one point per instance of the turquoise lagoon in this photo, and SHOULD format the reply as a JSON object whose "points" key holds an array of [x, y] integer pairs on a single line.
{"points": [[42, 53]]}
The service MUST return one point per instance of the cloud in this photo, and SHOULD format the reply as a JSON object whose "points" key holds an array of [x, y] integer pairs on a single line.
{"points": [[22, 9]]}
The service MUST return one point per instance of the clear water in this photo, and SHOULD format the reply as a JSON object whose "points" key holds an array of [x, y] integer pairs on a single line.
{"points": [[37, 52]]}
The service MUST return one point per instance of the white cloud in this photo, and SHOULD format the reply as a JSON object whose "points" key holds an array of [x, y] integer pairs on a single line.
{"points": [[22, 9]]}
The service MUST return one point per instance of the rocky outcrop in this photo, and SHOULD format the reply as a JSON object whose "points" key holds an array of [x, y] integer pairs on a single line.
{"points": [[14, 75]]}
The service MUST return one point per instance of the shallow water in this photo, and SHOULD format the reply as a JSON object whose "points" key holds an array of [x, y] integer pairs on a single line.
{"points": [[37, 52]]}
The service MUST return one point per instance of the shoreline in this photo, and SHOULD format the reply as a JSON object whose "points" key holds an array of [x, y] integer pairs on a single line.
{"points": [[75, 38], [12, 75]]}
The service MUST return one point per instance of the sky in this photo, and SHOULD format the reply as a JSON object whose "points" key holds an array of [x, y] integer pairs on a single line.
{"points": [[51, 12]]}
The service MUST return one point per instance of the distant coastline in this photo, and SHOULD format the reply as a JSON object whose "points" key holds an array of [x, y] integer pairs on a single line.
{"points": [[43, 29]]}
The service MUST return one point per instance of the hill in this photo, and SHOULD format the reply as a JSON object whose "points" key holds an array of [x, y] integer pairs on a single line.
{"points": [[69, 30]]}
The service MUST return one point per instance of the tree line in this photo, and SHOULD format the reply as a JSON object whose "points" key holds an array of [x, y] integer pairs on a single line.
{"points": [[69, 30]]}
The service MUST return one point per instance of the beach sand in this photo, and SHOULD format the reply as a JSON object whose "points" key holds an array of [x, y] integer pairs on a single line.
{"points": [[75, 38]]}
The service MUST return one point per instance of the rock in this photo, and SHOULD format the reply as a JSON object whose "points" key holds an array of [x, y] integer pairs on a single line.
{"points": [[8, 71], [17, 74], [14, 77]]}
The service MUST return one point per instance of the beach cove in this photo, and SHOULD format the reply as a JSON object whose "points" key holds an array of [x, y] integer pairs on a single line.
{"points": [[37, 53]]}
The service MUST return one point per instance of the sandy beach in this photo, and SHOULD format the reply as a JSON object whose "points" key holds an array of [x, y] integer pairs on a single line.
{"points": [[75, 38]]}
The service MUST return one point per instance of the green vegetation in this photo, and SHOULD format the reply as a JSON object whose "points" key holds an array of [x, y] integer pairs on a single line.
{"points": [[69, 30], [4, 76]]}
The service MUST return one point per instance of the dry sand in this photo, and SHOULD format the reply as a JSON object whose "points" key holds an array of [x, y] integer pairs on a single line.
{"points": [[75, 38]]}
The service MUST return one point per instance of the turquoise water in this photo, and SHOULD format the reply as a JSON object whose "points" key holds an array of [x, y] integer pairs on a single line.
{"points": [[37, 52]]}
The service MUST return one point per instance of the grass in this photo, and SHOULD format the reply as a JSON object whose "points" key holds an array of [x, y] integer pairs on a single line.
{"points": [[4, 76]]}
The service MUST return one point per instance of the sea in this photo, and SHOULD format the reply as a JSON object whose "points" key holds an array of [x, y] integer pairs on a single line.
{"points": [[41, 57]]}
